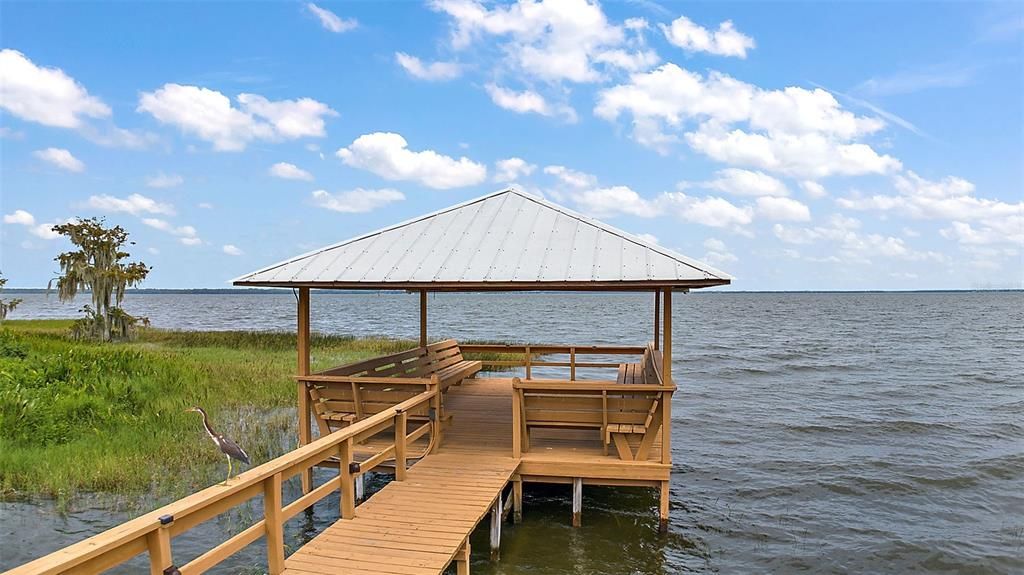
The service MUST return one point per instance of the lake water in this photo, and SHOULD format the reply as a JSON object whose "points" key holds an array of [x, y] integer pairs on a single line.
{"points": [[822, 433]]}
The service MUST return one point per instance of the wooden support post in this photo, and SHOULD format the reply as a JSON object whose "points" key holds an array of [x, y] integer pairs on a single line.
{"points": [[360, 488], [666, 408], [572, 364], [462, 559], [423, 318], [348, 492], [496, 529], [663, 508], [302, 339], [529, 359], [577, 501], [517, 501], [159, 544], [657, 317], [435, 384], [274, 524], [401, 424], [517, 421]]}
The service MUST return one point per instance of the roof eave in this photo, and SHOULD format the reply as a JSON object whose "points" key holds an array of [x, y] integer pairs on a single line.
{"points": [[645, 285]]}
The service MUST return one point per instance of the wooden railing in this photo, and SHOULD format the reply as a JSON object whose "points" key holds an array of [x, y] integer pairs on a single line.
{"points": [[154, 531], [530, 353], [644, 405]]}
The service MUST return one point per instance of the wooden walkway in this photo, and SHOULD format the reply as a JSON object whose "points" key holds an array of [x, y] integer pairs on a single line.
{"points": [[411, 527]]}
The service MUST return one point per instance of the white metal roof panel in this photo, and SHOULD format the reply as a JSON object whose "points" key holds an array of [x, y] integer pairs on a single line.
{"points": [[507, 237]]}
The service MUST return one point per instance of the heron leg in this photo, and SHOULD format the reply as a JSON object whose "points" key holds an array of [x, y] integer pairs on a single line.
{"points": [[229, 470]]}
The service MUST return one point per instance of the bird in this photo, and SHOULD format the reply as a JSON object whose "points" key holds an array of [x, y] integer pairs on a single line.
{"points": [[229, 448]]}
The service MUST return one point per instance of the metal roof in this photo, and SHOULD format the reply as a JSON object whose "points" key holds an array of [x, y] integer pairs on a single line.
{"points": [[508, 240]]}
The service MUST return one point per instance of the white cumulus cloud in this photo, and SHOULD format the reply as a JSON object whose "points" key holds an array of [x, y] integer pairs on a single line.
{"points": [[782, 209], [210, 116], [61, 158], [186, 235], [744, 183], [135, 204], [605, 202], [388, 155], [20, 217], [713, 212], [289, 172], [511, 169], [331, 21], [232, 250], [570, 177], [725, 41], [431, 71], [528, 102], [356, 201], [46, 96]]}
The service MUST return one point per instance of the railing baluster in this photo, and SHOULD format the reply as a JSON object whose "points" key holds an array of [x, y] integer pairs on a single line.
{"points": [[572, 364], [272, 520], [401, 422]]}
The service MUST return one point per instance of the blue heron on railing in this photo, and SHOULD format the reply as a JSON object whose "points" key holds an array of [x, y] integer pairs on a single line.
{"points": [[229, 448]]}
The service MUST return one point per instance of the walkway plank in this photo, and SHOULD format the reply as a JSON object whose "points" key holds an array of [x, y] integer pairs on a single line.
{"points": [[411, 527]]}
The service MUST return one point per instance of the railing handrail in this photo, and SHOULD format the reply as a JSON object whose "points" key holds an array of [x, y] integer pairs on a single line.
{"points": [[589, 385], [131, 531], [550, 349]]}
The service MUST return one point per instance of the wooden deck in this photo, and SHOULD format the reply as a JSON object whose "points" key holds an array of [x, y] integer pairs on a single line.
{"points": [[481, 423], [411, 527]]}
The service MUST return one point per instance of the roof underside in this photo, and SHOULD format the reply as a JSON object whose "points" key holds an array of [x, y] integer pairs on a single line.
{"points": [[503, 241]]}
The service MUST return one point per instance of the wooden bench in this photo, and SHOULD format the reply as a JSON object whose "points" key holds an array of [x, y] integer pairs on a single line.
{"points": [[619, 411], [346, 394]]}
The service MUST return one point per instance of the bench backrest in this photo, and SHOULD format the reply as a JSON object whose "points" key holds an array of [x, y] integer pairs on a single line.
{"points": [[587, 408], [417, 362], [372, 398], [366, 399]]}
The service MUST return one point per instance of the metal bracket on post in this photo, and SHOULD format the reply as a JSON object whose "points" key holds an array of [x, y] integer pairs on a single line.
{"points": [[353, 467], [166, 519], [432, 414]]}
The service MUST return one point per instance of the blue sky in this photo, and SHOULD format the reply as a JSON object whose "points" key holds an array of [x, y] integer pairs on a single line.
{"points": [[796, 146]]}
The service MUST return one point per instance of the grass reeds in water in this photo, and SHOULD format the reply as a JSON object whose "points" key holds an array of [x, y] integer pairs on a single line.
{"points": [[110, 417]]}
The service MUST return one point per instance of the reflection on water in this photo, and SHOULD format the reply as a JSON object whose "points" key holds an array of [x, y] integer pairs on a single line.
{"points": [[812, 432]]}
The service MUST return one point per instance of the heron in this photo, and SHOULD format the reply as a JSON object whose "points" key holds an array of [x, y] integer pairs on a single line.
{"points": [[229, 448]]}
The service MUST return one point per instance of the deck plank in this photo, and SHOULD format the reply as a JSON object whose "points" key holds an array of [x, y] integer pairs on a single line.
{"points": [[411, 527]]}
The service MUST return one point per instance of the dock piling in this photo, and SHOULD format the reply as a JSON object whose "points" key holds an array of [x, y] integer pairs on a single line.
{"points": [[577, 501], [496, 528]]}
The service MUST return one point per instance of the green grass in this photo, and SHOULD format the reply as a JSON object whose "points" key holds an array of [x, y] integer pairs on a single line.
{"points": [[110, 417]]}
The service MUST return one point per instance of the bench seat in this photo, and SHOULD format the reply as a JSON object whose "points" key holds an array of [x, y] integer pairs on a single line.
{"points": [[345, 394]]}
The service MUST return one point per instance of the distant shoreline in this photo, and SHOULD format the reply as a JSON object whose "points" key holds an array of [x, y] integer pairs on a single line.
{"points": [[276, 291]]}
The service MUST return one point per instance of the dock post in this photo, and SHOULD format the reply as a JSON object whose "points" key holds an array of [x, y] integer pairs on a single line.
{"points": [[577, 501], [496, 528], [360, 487], [462, 559], [663, 508], [517, 501], [305, 420]]}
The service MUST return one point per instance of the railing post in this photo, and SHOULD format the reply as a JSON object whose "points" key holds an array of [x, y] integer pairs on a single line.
{"points": [[517, 421], [572, 364], [435, 383], [401, 423], [159, 544], [348, 493], [529, 358], [272, 520]]}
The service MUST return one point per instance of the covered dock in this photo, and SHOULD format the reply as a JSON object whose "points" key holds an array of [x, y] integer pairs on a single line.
{"points": [[461, 427]]}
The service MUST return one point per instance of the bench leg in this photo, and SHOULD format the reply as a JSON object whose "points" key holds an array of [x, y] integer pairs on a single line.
{"points": [[622, 446]]}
